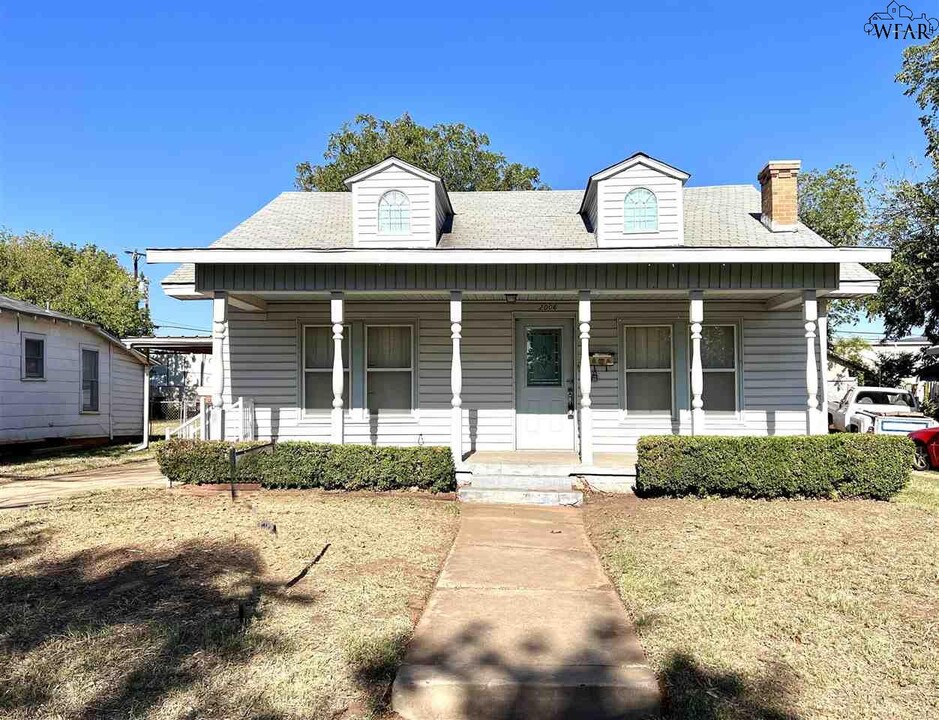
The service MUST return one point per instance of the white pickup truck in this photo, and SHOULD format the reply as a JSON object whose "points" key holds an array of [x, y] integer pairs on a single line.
{"points": [[890, 411]]}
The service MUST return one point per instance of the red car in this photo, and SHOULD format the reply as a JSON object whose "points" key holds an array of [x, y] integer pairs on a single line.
{"points": [[927, 448]]}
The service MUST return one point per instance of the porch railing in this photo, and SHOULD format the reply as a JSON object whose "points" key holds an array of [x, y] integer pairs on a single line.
{"points": [[195, 428], [245, 418]]}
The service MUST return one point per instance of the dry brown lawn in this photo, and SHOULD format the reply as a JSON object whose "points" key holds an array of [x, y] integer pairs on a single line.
{"points": [[151, 604], [783, 609]]}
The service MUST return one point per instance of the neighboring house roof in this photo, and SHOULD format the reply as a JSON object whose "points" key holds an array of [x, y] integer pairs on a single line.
{"points": [[173, 343], [9, 304], [718, 216]]}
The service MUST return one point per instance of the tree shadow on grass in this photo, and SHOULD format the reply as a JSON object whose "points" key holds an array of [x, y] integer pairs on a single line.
{"points": [[693, 691], [139, 624]]}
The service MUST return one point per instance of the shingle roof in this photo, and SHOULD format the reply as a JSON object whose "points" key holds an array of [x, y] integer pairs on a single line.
{"points": [[718, 216], [28, 308]]}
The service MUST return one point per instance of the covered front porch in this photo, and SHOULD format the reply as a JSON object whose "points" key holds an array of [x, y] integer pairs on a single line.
{"points": [[563, 380]]}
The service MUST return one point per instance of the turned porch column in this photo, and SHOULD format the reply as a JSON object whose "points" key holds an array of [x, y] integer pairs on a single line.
{"points": [[336, 317], [586, 413], [810, 315], [456, 376], [696, 315], [219, 323], [823, 361]]}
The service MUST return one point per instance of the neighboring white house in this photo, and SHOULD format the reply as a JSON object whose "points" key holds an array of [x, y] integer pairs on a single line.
{"points": [[570, 321], [63, 378]]}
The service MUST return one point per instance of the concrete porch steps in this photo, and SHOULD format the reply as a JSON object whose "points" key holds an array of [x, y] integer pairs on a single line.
{"points": [[528, 482], [521, 496], [517, 489]]}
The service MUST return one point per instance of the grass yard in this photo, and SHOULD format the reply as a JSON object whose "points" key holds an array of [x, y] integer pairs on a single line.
{"points": [[152, 604], [59, 461], [782, 609], [922, 492]]}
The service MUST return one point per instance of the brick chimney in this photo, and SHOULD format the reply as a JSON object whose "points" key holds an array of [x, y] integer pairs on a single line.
{"points": [[779, 191]]}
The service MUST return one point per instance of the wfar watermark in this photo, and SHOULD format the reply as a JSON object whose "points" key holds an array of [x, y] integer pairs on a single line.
{"points": [[897, 22]]}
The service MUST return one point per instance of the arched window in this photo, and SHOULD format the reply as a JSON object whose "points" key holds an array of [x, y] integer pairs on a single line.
{"points": [[394, 213], [640, 211]]}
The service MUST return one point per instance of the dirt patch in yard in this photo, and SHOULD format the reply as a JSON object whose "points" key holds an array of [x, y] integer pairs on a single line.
{"points": [[155, 605], [782, 609]]}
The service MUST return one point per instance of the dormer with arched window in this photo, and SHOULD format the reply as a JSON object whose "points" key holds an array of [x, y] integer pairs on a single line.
{"points": [[640, 211], [394, 213], [395, 204], [636, 203]]}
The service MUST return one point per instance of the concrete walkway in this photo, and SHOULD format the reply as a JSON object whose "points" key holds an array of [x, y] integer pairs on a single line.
{"points": [[23, 493], [523, 623]]}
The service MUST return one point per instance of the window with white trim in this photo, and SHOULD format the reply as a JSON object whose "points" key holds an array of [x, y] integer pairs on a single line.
{"points": [[394, 213], [389, 368], [640, 211], [319, 349], [647, 364], [89, 380], [34, 357], [719, 363]]}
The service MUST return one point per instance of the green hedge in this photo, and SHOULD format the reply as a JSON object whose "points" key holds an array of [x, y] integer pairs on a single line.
{"points": [[201, 462], [312, 465], [823, 466]]}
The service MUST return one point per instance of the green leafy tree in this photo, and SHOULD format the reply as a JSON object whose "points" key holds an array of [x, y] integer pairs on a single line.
{"points": [[920, 74], [907, 221], [86, 282], [834, 204], [454, 152], [906, 217]]}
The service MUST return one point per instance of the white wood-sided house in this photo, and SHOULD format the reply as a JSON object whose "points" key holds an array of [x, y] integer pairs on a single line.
{"points": [[556, 322], [65, 379]]}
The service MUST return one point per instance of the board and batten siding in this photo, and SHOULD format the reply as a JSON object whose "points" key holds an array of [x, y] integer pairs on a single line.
{"points": [[421, 197], [611, 193], [36, 410], [261, 356]]}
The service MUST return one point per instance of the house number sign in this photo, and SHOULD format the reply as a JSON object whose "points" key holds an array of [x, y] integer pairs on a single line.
{"points": [[548, 307]]}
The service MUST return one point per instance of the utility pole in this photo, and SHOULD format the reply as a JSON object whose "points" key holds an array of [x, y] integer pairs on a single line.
{"points": [[136, 255]]}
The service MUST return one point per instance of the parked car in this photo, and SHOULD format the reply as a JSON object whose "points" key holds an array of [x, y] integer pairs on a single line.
{"points": [[891, 411], [927, 448]]}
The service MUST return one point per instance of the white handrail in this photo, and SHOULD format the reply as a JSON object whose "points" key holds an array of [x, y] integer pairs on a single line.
{"points": [[189, 430]]}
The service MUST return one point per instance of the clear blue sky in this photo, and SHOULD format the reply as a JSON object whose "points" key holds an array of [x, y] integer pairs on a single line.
{"points": [[164, 124]]}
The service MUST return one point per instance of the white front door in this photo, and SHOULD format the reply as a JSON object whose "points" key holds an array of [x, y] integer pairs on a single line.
{"points": [[544, 384]]}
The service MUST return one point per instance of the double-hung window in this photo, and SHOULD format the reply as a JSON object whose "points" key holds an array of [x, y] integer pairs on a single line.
{"points": [[89, 370], [719, 362], [34, 357], [389, 368], [647, 364], [319, 349]]}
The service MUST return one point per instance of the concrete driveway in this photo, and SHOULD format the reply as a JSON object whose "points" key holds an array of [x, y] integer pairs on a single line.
{"points": [[24, 493]]}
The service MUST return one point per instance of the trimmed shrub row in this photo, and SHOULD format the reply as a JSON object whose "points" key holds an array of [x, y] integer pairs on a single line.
{"points": [[311, 465], [823, 466]]}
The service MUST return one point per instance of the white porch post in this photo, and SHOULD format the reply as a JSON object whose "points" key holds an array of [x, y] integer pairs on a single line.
{"points": [[336, 315], [456, 376], [219, 321], [696, 315], [823, 361], [810, 314], [586, 413]]}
